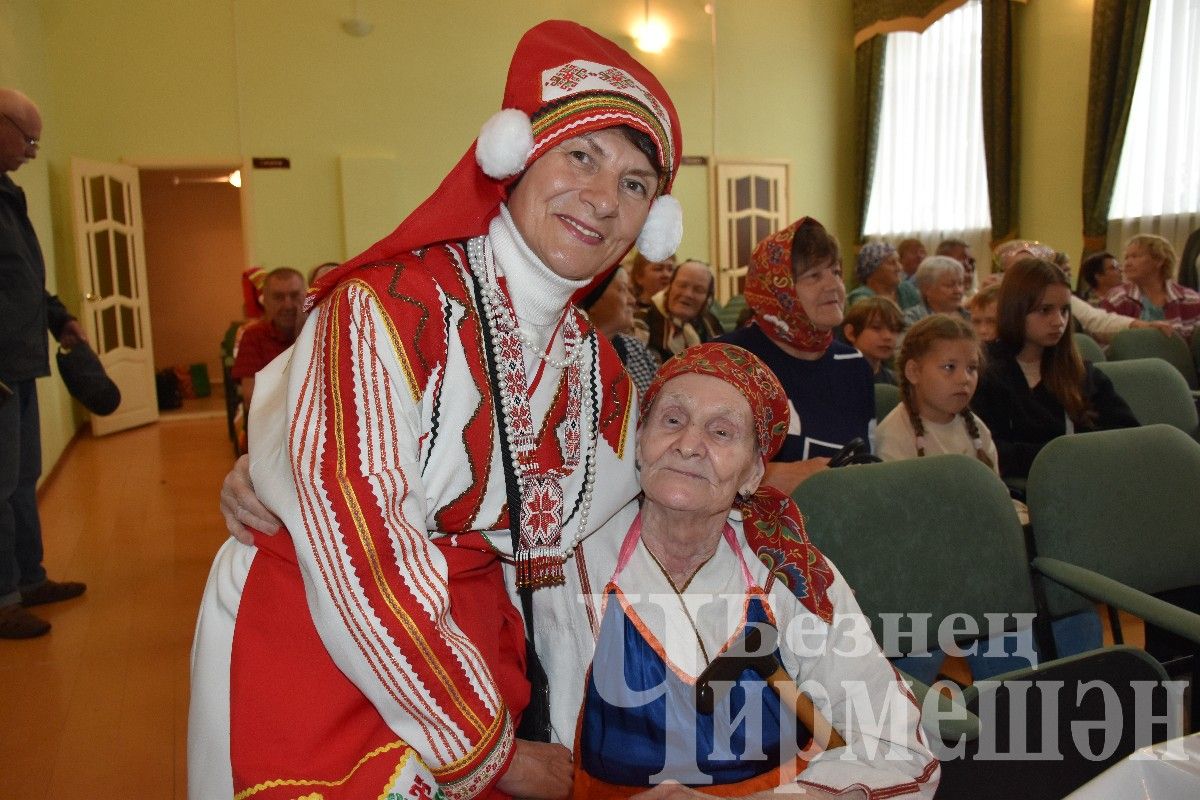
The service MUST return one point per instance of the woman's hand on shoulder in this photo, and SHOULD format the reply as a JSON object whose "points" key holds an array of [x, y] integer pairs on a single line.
{"points": [[538, 771], [241, 507]]}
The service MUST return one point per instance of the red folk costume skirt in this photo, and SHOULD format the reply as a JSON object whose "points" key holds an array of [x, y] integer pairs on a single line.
{"points": [[297, 723]]}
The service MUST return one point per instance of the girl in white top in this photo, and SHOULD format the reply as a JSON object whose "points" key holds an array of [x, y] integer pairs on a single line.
{"points": [[939, 366], [938, 369]]}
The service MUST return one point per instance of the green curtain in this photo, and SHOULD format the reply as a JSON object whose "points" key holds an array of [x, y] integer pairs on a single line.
{"points": [[868, 99], [1118, 28], [999, 117]]}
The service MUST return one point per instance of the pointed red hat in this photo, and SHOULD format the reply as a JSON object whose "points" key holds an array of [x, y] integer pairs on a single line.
{"points": [[564, 80]]}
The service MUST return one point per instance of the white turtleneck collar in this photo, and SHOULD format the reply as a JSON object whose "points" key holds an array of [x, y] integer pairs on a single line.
{"points": [[538, 294]]}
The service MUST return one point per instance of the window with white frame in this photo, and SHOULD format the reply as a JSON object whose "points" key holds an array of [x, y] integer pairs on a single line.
{"points": [[930, 178], [1158, 180]]}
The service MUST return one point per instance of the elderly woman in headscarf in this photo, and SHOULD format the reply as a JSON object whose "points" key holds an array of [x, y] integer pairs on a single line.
{"points": [[794, 284], [712, 563], [444, 416], [879, 273]]}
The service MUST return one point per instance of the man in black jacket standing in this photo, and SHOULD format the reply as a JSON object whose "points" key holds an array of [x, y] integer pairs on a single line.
{"points": [[27, 311]]}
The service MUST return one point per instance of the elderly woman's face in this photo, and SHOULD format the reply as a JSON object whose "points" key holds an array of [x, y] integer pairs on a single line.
{"points": [[1140, 266], [890, 272], [945, 294], [582, 204], [822, 294], [688, 295], [697, 447]]}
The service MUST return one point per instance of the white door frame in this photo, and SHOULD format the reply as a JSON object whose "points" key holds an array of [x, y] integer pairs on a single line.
{"points": [[111, 272]]}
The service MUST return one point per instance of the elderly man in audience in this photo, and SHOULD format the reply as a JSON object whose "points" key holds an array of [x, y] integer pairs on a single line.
{"points": [[1100, 324], [1150, 292], [794, 284], [1099, 274], [679, 317], [879, 273], [266, 338], [912, 253], [939, 279]]}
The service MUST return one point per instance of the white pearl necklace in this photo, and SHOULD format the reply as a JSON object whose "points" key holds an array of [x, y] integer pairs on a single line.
{"points": [[518, 429], [498, 304]]}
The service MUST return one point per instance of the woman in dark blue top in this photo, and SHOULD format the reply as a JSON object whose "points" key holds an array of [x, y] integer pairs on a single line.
{"points": [[794, 284]]}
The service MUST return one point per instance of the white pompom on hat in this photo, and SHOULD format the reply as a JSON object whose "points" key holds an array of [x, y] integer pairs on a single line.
{"points": [[663, 230], [505, 143]]}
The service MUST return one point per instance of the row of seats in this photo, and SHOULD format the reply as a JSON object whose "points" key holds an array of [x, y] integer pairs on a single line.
{"points": [[1113, 518], [1146, 343]]}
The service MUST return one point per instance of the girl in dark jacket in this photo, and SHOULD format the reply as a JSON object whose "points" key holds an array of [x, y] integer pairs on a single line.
{"points": [[1036, 386]]}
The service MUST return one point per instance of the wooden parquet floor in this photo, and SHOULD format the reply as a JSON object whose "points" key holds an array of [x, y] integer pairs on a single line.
{"points": [[98, 707]]}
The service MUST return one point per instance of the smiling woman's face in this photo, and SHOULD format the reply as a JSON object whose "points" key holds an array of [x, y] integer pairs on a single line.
{"points": [[582, 204], [697, 447]]}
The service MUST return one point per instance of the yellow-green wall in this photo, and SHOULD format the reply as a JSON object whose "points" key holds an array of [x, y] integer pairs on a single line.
{"points": [[184, 80], [1053, 46]]}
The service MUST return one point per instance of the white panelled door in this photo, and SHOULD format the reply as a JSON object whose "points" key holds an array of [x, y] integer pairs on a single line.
{"points": [[752, 203], [110, 262]]}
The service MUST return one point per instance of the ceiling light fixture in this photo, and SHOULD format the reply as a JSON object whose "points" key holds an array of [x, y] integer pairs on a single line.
{"points": [[651, 35]]}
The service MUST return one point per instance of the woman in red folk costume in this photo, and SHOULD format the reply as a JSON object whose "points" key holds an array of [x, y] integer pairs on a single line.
{"points": [[446, 409]]}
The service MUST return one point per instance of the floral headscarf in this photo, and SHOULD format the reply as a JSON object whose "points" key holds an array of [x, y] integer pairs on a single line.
{"points": [[771, 522], [770, 291]]}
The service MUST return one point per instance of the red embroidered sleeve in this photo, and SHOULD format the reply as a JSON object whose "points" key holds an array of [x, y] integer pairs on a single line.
{"points": [[377, 587]]}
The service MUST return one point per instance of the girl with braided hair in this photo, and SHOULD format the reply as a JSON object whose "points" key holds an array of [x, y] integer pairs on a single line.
{"points": [[938, 367]]}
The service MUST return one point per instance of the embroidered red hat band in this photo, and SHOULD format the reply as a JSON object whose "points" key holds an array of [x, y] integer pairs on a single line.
{"points": [[742, 370], [577, 97]]}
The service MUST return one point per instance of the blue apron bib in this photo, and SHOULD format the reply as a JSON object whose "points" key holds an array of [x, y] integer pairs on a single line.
{"points": [[640, 725]]}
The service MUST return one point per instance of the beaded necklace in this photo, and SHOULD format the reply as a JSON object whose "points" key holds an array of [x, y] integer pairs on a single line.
{"points": [[542, 551]]}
